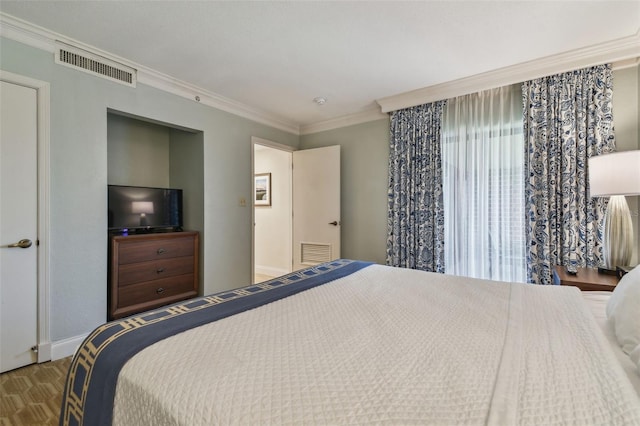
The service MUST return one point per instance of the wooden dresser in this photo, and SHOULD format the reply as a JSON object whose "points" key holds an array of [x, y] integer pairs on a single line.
{"points": [[150, 270]]}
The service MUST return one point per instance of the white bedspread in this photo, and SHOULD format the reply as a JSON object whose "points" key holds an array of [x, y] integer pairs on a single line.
{"points": [[387, 346]]}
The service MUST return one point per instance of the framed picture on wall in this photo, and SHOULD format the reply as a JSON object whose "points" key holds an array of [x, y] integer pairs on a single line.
{"points": [[262, 189]]}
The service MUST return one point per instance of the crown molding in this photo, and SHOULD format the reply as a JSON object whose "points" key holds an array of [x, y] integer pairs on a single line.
{"points": [[627, 63], [186, 90], [44, 39], [343, 121], [26, 33], [625, 50]]}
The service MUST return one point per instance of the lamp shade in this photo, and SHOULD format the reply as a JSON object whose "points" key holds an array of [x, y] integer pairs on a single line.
{"points": [[615, 174], [142, 207]]}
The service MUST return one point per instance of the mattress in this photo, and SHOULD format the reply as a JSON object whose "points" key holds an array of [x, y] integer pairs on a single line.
{"points": [[376, 345]]}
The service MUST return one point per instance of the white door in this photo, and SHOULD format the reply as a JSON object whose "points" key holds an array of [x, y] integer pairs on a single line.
{"points": [[316, 206], [18, 225]]}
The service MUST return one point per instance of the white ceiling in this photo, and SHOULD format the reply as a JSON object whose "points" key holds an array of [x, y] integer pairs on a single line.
{"points": [[278, 56]]}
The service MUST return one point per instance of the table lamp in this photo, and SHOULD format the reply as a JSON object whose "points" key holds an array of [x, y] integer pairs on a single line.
{"points": [[143, 208], [616, 175]]}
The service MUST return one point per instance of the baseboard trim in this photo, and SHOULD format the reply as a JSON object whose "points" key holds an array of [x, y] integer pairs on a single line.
{"points": [[44, 351], [270, 271], [66, 347]]}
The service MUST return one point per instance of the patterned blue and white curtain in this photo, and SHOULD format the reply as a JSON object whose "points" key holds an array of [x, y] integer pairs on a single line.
{"points": [[416, 215], [567, 119]]}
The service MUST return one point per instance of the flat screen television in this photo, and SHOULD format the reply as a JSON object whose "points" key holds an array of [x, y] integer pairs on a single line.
{"points": [[143, 209]]}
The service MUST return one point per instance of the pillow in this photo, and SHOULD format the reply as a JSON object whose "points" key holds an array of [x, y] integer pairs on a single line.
{"points": [[635, 357], [623, 310]]}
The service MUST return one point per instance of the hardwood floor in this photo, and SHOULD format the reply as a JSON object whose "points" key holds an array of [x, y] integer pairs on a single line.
{"points": [[32, 395]]}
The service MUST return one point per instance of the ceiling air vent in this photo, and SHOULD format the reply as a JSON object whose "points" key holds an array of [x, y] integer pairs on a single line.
{"points": [[94, 64]]}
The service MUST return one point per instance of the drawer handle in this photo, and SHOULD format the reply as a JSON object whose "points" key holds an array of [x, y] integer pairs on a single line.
{"points": [[161, 250], [159, 270], [159, 290]]}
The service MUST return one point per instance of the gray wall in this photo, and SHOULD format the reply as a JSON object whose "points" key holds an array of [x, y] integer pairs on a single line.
{"points": [[137, 152], [364, 171], [186, 170], [78, 181]]}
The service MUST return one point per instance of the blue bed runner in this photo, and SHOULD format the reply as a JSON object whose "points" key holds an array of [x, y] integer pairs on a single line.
{"points": [[90, 388]]}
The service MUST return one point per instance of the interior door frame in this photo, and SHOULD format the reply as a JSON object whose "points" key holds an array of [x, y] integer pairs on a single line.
{"points": [[274, 145], [43, 124]]}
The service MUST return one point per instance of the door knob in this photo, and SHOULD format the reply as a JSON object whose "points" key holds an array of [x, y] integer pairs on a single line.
{"points": [[25, 243], [334, 223]]}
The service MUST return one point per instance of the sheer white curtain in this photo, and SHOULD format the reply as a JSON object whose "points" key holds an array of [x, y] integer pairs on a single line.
{"points": [[483, 166]]}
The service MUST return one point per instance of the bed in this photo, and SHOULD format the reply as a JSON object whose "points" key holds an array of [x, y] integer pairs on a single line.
{"points": [[349, 342]]}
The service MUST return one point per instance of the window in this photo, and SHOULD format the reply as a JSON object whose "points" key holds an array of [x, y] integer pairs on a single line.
{"points": [[483, 188]]}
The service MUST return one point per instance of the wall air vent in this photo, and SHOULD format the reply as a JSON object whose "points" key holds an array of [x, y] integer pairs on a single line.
{"points": [[313, 254], [94, 64]]}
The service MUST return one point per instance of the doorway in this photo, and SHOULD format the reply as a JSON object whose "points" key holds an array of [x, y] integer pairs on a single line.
{"points": [[272, 209], [25, 261], [296, 208]]}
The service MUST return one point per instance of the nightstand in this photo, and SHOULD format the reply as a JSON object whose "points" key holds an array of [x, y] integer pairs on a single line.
{"points": [[587, 279]]}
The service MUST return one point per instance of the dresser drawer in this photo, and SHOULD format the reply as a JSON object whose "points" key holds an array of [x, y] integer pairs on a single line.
{"points": [[157, 290], [140, 251], [147, 271], [133, 273]]}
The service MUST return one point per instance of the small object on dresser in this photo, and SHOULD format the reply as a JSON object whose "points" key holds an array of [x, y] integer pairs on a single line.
{"points": [[622, 270], [571, 269], [607, 271]]}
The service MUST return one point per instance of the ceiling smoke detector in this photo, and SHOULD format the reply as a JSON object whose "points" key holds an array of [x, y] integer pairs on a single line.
{"points": [[320, 100]]}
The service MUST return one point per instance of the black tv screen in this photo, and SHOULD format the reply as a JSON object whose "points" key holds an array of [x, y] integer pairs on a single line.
{"points": [[136, 208]]}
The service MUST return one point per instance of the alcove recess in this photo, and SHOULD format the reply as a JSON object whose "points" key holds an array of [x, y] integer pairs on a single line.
{"points": [[146, 152]]}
